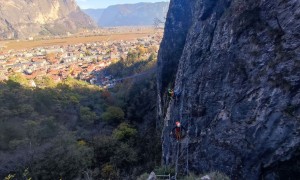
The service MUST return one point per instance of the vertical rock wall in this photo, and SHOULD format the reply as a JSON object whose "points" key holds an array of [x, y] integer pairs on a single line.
{"points": [[237, 66]]}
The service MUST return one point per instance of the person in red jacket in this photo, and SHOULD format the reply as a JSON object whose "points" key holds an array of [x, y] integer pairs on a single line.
{"points": [[178, 131]]}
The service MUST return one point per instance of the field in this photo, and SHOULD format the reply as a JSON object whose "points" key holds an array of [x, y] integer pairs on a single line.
{"points": [[25, 44]]}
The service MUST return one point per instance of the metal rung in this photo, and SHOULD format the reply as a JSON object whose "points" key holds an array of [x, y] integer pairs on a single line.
{"points": [[164, 176]]}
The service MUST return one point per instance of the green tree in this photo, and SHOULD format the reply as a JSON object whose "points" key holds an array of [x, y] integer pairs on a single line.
{"points": [[113, 115], [132, 57], [125, 156], [48, 129], [109, 172], [12, 134], [63, 158], [124, 132], [105, 147], [87, 116], [45, 81], [152, 57], [141, 50], [24, 110], [19, 78]]}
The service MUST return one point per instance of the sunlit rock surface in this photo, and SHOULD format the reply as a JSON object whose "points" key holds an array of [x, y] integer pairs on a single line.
{"points": [[25, 18]]}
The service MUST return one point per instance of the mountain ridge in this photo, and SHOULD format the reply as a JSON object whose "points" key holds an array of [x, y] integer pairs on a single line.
{"points": [[22, 19], [139, 14]]}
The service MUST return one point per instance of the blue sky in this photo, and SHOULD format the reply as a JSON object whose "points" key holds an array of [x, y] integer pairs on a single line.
{"points": [[84, 4]]}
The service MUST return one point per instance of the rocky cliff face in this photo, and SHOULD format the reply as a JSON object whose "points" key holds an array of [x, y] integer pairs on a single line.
{"points": [[23, 18], [237, 66]]}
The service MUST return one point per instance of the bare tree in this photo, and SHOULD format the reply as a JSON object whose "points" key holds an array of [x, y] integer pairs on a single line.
{"points": [[158, 23]]}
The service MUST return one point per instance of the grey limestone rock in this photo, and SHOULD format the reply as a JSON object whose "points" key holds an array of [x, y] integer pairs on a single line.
{"points": [[152, 176], [237, 65]]}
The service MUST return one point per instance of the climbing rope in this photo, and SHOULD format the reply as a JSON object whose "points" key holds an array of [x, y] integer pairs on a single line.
{"points": [[176, 163], [187, 136], [187, 143], [180, 118], [184, 155]]}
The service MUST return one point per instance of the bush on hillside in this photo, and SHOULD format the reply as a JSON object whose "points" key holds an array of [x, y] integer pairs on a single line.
{"points": [[113, 115]]}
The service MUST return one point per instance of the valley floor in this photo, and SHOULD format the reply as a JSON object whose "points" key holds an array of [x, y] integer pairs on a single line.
{"points": [[117, 34]]}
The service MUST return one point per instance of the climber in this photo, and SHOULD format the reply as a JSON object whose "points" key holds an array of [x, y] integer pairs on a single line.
{"points": [[171, 93], [178, 131], [177, 93]]}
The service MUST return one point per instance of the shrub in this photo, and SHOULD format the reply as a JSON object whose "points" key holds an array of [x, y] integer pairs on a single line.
{"points": [[109, 172], [125, 156], [87, 116], [19, 78], [213, 176], [192, 176], [218, 176], [164, 170], [124, 132], [45, 81], [143, 176], [113, 115]]}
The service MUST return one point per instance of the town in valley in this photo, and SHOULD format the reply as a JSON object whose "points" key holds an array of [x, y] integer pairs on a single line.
{"points": [[83, 61]]}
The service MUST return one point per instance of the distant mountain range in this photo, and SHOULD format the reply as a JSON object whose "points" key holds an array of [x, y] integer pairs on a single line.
{"points": [[25, 18], [140, 14]]}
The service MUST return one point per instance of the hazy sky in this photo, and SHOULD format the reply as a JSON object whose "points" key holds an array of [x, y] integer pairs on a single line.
{"points": [[84, 4]]}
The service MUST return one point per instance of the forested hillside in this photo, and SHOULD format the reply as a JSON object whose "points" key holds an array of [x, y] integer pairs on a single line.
{"points": [[76, 130]]}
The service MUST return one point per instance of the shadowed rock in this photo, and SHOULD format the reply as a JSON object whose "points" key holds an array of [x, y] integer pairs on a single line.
{"points": [[240, 61]]}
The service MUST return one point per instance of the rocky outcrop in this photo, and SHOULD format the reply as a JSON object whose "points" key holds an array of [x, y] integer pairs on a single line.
{"points": [[152, 176], [237, 66], [19, 18]]}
